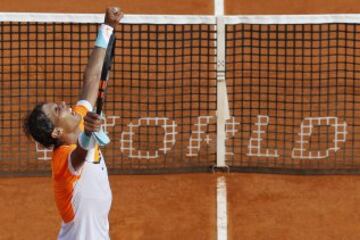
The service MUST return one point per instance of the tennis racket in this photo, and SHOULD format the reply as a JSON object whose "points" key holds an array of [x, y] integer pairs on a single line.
{"points": [[105, 72]]}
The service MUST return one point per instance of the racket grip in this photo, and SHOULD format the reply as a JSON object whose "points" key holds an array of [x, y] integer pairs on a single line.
{"points": [[99, 105]]}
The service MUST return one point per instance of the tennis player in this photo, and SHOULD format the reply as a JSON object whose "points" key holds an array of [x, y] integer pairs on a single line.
{"points": [[80, 180]]}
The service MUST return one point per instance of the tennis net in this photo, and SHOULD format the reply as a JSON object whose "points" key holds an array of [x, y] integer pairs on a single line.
{"points": [[291, 101], [294, 89]]}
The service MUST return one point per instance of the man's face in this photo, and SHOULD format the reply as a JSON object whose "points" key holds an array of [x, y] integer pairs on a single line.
{"points": [[62, 116]]}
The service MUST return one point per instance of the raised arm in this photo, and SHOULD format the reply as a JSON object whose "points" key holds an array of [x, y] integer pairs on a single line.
{"points": [[90, 88], [93, 69]]}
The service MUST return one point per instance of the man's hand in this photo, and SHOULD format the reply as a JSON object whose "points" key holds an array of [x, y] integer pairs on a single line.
{"points": [[92, 122], [113, 16]]}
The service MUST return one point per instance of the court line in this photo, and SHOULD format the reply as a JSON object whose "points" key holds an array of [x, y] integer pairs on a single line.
{"points": [[221, 195], [219, 7], [221, 202]]}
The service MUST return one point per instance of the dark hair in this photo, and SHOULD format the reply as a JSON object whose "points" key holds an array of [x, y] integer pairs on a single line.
{"points": [[39, 127]]}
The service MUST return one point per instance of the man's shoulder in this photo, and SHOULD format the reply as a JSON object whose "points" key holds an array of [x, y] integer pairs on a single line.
{"points": [[63, 149], [60, 159], [62, 152]]}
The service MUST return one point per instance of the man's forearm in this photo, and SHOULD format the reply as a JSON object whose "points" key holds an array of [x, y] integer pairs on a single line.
{"points": [[92, 75], [93, 70]]}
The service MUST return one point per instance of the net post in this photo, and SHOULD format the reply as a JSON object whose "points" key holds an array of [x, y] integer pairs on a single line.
{"points": [[222, 113]]}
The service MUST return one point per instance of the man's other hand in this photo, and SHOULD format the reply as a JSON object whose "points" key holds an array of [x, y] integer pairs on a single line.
{"points": [[113, 16], [92, 122]]}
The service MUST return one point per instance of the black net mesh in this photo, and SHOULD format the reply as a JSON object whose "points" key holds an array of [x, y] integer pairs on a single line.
{"points": [[162, 81], [293, 93], [294, 90]]}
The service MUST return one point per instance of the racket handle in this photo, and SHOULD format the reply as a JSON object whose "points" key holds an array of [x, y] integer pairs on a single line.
{"points": [[99, 105]]}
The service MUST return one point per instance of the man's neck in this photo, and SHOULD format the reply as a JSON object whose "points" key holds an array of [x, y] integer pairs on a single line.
{"points": [[71, 138]]}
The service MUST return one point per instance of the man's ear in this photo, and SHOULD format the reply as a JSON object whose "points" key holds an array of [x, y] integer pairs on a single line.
{"points": [[57, 132]]}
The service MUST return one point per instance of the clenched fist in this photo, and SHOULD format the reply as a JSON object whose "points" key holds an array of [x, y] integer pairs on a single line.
{"points": [[113, 16], [92, 122]]}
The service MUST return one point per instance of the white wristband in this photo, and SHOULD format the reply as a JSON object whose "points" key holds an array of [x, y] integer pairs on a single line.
{"points": [[103, 37]]}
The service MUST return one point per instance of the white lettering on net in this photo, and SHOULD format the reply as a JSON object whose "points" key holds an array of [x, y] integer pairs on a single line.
{"points": [[195, 141], [168, 140], [255, 142], [230, 129], [109, 124], [44, 152], [306, 130]]}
